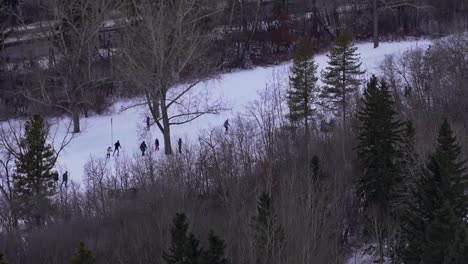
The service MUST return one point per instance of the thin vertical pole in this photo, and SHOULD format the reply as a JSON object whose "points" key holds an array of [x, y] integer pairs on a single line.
{"points": [[112, 133]]}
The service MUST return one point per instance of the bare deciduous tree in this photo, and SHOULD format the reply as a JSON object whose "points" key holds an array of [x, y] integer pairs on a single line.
{"points": [[380, 6], [73, 52], [165, 52]]}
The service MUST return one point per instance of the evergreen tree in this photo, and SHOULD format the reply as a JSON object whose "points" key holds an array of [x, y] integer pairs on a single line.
{"points": [[454, 178], [194, 252], [82, 256], [303, 85], [435, 224], [458, 250], [409, 170], [404, 198], [342, 75], [1, 259], [215, 252], [269, 234], [34, 179], [184, 248], [378, 148], [408, 145]]}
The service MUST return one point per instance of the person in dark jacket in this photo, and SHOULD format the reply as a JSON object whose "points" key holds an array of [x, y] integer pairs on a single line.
{"points": [[65, 178], [226, 125], [180, 145], [143, 148], [148, 122], [156, 143], [117, 147]]}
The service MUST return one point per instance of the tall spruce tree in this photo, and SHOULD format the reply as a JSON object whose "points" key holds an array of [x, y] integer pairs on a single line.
{"points": [[184, 248], [380, 135], [454, 178], [458, 250], [34, 178], [194, 253], [303, 85], [82, 256], [409, 170], [435, 224], [342, 75], [269, 234], [215, 252], [1, 259]]}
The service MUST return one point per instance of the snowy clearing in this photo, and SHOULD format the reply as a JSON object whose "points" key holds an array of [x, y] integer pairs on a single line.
{"points": [[235, 89]]}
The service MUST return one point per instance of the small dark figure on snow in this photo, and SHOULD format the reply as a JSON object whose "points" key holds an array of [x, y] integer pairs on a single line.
{"points": [[109, 151], [143, 148], [180, 145], [65, 178], [156, 143], [148, 122], [226, 125], [117, 147]]}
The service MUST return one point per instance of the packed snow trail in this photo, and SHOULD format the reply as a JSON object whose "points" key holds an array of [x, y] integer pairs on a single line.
{"points": [[236, 90]]}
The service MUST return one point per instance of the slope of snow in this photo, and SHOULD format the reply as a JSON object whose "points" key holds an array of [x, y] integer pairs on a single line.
{"points": [[235, 89]]}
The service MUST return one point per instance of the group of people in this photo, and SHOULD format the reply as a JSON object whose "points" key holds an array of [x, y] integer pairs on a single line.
{"points": [[144, 147], [117, 147], [64, 179]]}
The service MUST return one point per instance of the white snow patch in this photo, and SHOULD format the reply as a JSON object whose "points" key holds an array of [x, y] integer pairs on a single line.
{"points": [[235, 89]]}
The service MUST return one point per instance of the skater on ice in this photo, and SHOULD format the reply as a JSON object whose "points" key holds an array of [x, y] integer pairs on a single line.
{"points": [[156, 143], [148, 122]]}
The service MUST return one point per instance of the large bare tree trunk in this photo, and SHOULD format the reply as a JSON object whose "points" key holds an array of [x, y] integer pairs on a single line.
{"points": [[167, 127], [375, 20], [76, 121]]}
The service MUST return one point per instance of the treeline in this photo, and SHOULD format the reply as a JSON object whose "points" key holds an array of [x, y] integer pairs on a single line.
{"points": [[85, 70]]}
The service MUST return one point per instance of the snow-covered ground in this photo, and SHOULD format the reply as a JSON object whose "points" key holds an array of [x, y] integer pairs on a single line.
{"points": [[235, 89], [363, 255]]}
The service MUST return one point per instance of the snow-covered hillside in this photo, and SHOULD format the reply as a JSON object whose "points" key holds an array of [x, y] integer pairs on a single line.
{"points": [[235, 89]]}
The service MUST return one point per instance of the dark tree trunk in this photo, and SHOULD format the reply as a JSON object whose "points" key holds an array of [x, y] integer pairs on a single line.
{"points": [[375, 19], [76, 121], [167, 129]]}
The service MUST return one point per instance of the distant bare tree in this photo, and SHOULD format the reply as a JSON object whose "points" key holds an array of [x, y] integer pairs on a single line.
{"points": [[269, 114], [97, 177], [8, 219], [380, 6], [165, 53], [74, 49]]}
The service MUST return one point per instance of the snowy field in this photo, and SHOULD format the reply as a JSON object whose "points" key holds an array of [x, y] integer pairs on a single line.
{"points": [[235, 89]]}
